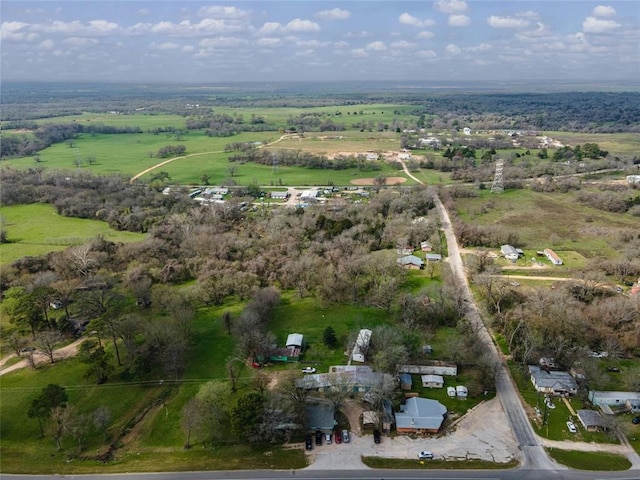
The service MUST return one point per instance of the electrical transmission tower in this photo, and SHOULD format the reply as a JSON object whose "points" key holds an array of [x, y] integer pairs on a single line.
{"points": [[498, 186]]}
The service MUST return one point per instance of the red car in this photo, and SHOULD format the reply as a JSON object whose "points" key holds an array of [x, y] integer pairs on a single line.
{"points": [[337, 437]]}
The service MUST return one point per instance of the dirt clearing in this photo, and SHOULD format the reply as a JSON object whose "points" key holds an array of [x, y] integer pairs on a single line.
{"points": [[371, 181]]}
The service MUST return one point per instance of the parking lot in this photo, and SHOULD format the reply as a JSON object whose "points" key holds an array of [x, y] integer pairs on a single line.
{"points": [[481, 434]]}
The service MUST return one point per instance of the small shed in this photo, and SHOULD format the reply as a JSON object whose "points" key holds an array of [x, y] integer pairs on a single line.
{"points": [[432, 381], [462, 391], [433, 257], [406, 382], [294, 340], [591, 420], [451, 392], [426, 246], [369, 418]]}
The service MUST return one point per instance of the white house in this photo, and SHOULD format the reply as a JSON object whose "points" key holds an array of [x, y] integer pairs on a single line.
{"points": [[633, 178], [462, 391], [432, 381], [627, 401], [466, 131], [434, 367], [509, 252], [361, 345], [552, 256]]}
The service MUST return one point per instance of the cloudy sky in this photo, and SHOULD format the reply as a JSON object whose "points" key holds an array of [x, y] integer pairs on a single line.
{"points": [[193, 41]]}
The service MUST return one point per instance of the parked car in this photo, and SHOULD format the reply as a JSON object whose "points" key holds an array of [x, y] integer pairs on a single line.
{"points": [[345, 436], [572, 428], [327, 438], [426, 455], [308, 370], [318, 437], [376, 436], [613, 369], [308, 442], [337, 436], [28, 349], [635, 420]]}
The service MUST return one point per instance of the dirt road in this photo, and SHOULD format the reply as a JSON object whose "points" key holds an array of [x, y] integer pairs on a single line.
{"points": [[64, 352]]}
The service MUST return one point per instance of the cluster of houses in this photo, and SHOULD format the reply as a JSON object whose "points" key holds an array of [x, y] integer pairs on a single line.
{"points": [[550, 381], [406, 258], [513, 254]]}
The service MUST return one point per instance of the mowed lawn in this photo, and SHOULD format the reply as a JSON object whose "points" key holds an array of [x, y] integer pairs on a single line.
{"points": [[554, 220], [37, 229]]}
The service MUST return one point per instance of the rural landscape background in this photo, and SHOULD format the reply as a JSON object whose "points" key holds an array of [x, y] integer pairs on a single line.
{"points": [[183, 186]]}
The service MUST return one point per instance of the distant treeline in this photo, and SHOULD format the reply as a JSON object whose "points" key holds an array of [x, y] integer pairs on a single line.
{"points": [[298, 158]]}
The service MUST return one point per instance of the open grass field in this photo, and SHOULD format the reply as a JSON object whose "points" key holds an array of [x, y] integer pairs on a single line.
{"points": [[554, 220], [591, 461], [37, 229], [407, 464], [614, 143], [143, 120]]}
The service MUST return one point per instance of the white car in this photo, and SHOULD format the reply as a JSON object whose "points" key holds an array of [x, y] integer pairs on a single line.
{"points": [[425, 455], [572, 428], [550, 405], [308, 370]]}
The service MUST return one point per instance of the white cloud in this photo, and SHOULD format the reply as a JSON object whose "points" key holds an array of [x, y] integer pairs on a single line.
{"points": [[103, 26], [269, 42], [222, 42], [483, 47], [206, 26], [219, 11], [79, 41], [144, 11], [426, 54], [341, 44], [376, 46], [335, 14], [453, 49], [295, 25], [47, 44], [598, 25], [359, 53], [459, 21], [528, 14], [426, 34], [506, 22], [298, 25], [452, 6], [188, 48], [408, 19], [16, 31], [402, 45], [603, 11]]}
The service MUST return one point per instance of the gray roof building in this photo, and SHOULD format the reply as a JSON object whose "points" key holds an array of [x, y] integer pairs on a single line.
{"points": [[552, 382], [591, 420], [420, 415]]}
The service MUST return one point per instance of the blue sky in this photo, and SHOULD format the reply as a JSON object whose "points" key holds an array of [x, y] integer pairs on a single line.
{"points": [[209, 42]]}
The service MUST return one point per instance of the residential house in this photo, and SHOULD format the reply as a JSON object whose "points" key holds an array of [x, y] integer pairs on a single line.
{"points": [[434, 367], [411, 262], [279, 195], [635, 289], [432, 381], [466, 131], [552, 256], [345, 378], [404, 250], [553, 382], [361, 346], [591, 420], [420, 415], [615, 402], [509, 252], [320, 416], [426, 246]]}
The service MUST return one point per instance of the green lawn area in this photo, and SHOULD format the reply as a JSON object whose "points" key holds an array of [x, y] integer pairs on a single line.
{"points": [[614, 143], [37, 229], [598, 461], [407, 464]]}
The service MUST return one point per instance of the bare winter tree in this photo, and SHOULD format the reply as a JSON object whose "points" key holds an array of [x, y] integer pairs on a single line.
{"points": [[46, 343]]}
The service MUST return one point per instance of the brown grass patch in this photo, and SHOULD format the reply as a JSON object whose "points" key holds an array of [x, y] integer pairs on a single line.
{"points": [[371, 181]]}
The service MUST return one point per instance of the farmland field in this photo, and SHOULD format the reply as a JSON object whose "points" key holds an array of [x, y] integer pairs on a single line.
{"points": [[554, 220], [37, 229]]}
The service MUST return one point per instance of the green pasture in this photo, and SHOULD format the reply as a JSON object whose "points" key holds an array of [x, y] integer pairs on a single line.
{"points": [[189, 170], [37, 229], [553, 220], [145, 121], [126, 154]]}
